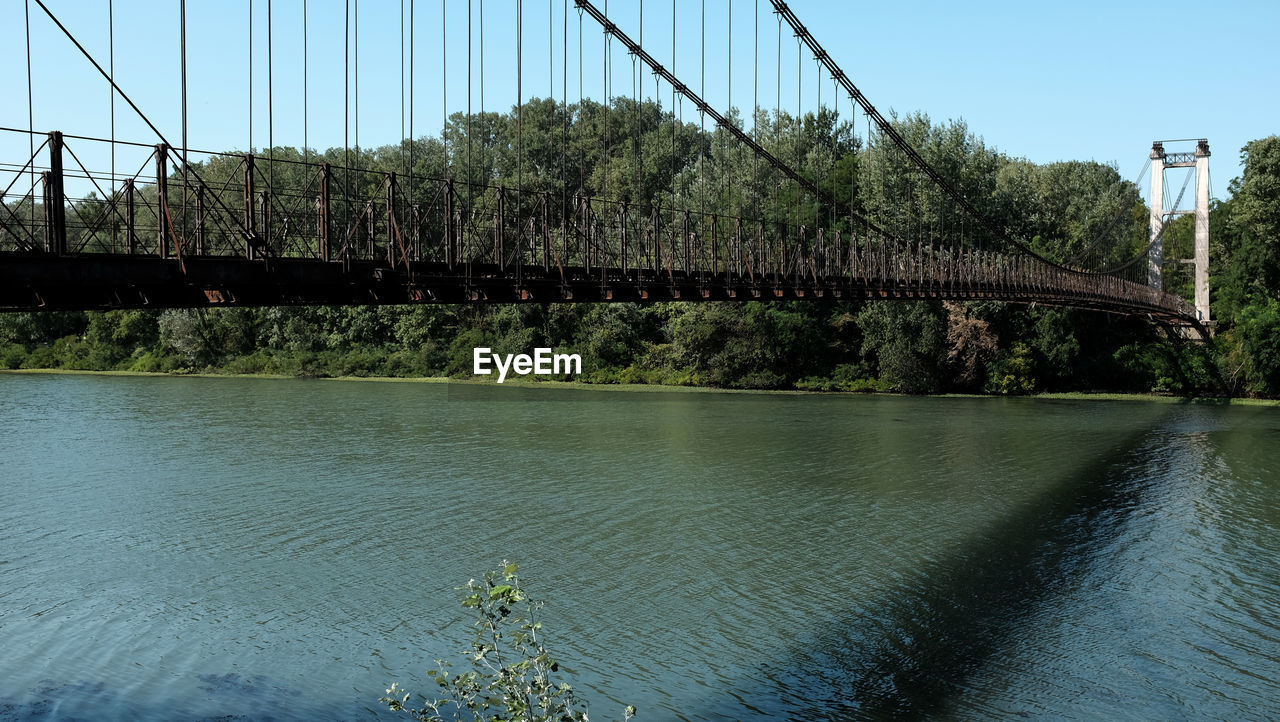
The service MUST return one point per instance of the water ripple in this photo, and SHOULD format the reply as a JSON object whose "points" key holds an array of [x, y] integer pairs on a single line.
{"points": [[282, 549]]}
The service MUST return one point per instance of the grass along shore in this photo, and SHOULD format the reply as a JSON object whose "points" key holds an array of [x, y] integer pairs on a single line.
{"points": [[526, 383]]}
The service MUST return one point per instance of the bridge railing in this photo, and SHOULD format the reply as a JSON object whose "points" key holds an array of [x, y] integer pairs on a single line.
{"points": [[247, 206]]}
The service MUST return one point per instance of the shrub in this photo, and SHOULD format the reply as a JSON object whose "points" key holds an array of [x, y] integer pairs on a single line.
{"points": [[41, 357], [154, 361], [1014, 373], [12, 355], [511, 675]]}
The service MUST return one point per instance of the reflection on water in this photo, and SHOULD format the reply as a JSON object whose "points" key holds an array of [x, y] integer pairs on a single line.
{"points": [[914, 649], [283, 549]]}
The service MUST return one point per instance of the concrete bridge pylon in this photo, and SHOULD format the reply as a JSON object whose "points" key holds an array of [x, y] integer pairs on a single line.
{"points": [[1199, 160]]}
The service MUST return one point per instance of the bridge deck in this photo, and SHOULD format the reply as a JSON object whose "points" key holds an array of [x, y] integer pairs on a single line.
{"points": [[101, 281]]}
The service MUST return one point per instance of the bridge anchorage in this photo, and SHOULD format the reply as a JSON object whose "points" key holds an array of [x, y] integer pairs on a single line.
{"points": [[194, 228]]}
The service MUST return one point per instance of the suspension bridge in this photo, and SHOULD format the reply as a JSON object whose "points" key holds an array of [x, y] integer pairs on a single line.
{"points": [[181, 227]]}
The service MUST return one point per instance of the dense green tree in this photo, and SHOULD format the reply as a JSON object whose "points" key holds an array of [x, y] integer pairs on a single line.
{"points": [[908, 342]]}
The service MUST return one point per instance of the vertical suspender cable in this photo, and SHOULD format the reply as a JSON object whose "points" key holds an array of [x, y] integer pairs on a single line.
{"points": [[755, 100], [412, 140], [702, 117], [564, 143], [637, 146], [639, 90], [31, 123], [777, 208], [605, 76], [111, 64], [444, 86], [402, 166], [306, 148], [251, 76], [551, 52], [551, 99], [346, 116], [519, 130], [271, 108], [867, 172], [551, 70], [356, 98], [182, 30], [579, 58], [822, 142], [469, 180], [519, 100], [828, 141], [817, 129], [581, 110]]}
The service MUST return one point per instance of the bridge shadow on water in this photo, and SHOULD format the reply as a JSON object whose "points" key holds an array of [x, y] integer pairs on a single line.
{"points": [[910, 651]]}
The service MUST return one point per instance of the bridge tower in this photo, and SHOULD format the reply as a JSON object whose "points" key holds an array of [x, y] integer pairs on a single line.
{"points": [[1199, 160]]}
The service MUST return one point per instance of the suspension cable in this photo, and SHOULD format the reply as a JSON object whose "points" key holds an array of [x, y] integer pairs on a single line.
{"points": [[102, 72], [1114, 219], [686, 93], [1164, 225], [98, 66], [784, 12]]}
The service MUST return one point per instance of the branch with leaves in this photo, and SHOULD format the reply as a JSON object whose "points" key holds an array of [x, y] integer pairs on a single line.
{"points": [[511, 673]]}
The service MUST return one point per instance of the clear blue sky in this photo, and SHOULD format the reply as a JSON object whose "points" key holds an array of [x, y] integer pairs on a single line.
{"points": [[1045, 81]]}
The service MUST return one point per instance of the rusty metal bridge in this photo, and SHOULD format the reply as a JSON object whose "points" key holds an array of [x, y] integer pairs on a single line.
{"points": [[257, 229]]}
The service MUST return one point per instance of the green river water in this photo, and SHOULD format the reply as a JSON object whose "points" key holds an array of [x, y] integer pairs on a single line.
{"points": [[202, 548]]}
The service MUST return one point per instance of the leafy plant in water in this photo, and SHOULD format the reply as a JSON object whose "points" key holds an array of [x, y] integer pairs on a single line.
{"points": [[510, 677]]}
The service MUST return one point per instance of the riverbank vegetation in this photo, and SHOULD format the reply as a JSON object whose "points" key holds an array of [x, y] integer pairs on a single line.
{"points": [[1064, 209]]}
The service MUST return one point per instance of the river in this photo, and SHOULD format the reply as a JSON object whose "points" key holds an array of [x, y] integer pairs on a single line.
{"points": [[283, 549]]}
